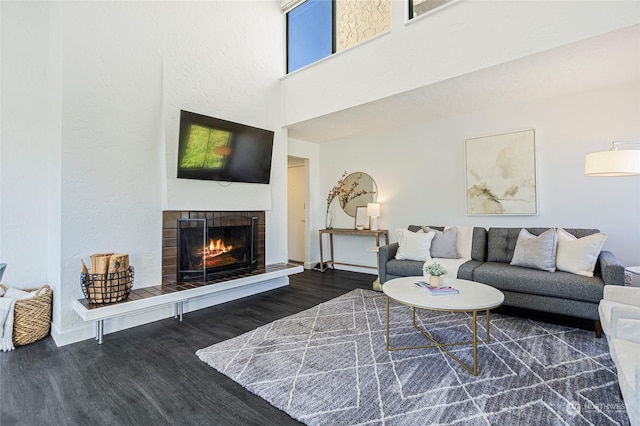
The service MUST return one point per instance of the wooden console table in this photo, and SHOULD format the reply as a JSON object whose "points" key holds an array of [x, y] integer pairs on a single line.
{"points": [[343, 231]]}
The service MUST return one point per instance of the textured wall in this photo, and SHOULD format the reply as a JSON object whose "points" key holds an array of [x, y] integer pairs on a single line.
{"points": [[359, 20], [126, 69], [24, 141]]}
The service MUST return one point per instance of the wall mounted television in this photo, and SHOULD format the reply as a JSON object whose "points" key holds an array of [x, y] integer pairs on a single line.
{"points": [[214, 149]]}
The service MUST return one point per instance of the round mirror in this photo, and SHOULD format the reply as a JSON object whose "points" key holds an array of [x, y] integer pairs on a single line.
{"points": [[358, 189]]}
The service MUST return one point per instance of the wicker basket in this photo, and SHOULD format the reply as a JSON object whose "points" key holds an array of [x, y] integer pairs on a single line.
{"points": [[107, 288], [32, 317]]}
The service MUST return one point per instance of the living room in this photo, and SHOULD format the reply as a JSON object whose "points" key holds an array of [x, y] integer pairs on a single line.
{"points": [[108, 103], [92, 91]]}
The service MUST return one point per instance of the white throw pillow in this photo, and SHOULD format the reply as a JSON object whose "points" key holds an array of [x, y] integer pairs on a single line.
{"points": [[578, 255], [464, 241], [414, 245], [537, 252]]}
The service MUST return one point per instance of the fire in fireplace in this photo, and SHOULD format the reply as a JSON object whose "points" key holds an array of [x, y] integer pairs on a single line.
{"points": [[214, 254], [209, 247]]}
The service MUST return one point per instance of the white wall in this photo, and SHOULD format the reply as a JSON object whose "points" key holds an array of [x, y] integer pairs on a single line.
{"points": [[24, 135], [98, 87], [420, 171], [461, 38]]}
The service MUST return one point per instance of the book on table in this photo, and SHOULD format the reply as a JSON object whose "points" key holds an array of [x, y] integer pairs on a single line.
{"points": [[436, 291]]}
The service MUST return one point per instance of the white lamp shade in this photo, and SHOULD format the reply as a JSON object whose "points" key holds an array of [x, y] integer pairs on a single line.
{"points": [[613, 163], [373, 209]]}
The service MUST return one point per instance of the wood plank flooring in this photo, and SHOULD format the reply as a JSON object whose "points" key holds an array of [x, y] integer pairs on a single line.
{"points": [[150, 375]]}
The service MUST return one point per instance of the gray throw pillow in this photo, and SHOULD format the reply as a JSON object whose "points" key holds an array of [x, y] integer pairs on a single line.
{"points": [[536, 252], [444, 244]]}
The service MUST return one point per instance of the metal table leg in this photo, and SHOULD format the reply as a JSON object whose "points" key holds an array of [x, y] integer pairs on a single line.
{"points": [[178, 310], [99, 331]]}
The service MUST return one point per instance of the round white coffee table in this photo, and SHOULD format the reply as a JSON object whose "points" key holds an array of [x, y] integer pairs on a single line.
{"points": [[472, 297]]}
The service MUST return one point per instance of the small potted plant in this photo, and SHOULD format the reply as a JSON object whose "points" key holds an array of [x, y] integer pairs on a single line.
{"points": [[435, 272]]}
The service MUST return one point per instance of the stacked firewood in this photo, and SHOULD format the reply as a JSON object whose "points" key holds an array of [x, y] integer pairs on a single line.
{"points": [[109, 279]]}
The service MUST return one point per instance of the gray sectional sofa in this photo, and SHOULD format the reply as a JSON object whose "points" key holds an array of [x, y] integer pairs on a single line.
{"points": [[491, 253]]}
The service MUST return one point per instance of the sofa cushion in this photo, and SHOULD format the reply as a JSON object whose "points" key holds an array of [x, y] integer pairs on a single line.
{"points": [[579, 255], [524, 280], [606, 310], [479, 245], [465, 271], [537, 252], [625, 355], [501, 242], [444, 244], [414, 245]]}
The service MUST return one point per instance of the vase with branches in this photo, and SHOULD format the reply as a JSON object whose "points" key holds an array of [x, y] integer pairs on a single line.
{"points": [[344, 194], [334, 193]]}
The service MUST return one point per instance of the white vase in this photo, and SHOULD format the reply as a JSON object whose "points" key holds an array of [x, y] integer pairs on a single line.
{"points": [[328, 220]]}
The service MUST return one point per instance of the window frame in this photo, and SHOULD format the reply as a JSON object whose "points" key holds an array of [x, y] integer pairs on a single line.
{"points": [[333, 35]]}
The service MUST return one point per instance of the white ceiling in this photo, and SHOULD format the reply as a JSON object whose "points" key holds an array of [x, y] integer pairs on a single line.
{"points": [[606, 60]]}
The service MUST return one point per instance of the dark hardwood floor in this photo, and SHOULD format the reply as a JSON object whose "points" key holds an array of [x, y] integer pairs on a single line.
{"points": [[150, 375]]}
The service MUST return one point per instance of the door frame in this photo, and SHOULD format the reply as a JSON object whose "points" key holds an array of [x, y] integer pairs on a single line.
{"points": [[304, 163]]}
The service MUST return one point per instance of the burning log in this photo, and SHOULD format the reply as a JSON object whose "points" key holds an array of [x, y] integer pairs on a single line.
{"points": [[213, 253]]}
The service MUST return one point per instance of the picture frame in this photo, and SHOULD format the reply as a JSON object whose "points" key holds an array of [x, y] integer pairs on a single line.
{"points": [[501, 175], [362, 220]]}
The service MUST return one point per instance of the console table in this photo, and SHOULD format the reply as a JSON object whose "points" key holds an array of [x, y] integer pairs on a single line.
{"points": [[345, 231]]}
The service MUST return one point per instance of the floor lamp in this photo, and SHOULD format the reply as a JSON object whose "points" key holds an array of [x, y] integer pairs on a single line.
{"points": [[624, 162]]}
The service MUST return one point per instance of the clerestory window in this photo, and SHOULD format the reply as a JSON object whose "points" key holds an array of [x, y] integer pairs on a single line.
{"points": [[419, 7], [318, 28]]}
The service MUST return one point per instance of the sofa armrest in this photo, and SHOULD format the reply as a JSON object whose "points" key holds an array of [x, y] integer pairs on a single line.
{"points": [[611, 270], [385, 254], [625, 295], [619, 313], [629, 329]]}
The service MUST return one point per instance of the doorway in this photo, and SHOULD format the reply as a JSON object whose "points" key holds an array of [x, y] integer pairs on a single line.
{"points": [[296, 208]]}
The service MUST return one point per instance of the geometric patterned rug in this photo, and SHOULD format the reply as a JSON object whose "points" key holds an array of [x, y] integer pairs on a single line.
{"points": [[328, 366]]}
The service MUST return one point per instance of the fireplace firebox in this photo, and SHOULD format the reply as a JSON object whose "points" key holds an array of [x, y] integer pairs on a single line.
{"points": [[208, 247]]}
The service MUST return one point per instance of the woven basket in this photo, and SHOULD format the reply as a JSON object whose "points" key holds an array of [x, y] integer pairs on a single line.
{"points": [[32, 317]]}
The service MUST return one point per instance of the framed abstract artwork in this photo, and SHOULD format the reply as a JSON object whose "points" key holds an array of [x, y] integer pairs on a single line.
{"points": [[501, 174]]}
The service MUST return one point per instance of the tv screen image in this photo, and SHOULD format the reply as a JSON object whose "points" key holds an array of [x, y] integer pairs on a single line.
{"points": [[214, 149]]}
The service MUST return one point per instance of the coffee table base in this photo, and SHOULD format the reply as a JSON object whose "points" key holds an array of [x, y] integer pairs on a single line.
{"points": [[442, 346]]}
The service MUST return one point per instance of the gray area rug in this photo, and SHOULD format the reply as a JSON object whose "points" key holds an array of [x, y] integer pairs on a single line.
{"points": [[328, 366]]}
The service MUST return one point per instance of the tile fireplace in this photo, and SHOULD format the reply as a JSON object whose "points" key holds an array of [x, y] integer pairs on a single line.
{"points": [[203, 246]]}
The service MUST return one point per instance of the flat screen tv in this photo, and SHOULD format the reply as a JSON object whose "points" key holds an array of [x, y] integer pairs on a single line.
{"points": [[214, 149]]}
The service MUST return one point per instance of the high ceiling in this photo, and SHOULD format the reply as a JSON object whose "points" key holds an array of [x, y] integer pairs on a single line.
{"points": [[606, 60]]}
